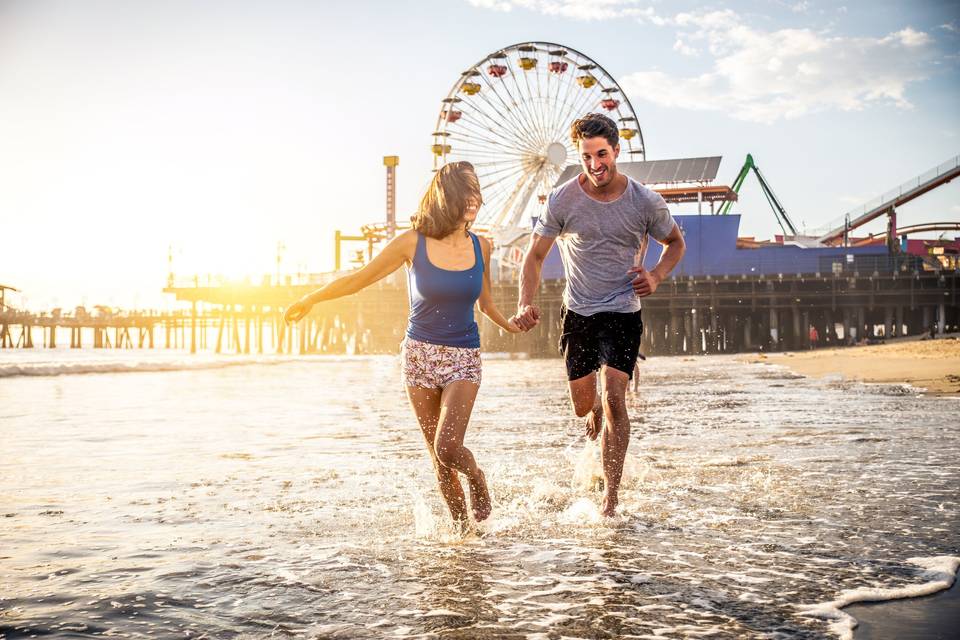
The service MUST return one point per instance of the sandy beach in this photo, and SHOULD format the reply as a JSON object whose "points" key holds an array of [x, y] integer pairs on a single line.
{"points": [[933, 365]]}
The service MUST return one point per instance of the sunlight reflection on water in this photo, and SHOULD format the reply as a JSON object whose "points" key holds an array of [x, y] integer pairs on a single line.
{"points": [[298, 499]]}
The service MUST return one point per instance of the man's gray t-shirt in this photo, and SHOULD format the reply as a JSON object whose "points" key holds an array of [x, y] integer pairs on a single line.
{"points": [[599, 242]]}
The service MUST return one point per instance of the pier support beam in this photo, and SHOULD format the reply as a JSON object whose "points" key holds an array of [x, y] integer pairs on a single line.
{"points": [[259, 330], [193, 327], [798, 339], [774, 332]]}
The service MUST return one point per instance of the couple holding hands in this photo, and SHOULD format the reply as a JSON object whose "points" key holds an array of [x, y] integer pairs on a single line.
{"points": [[599, 220]]}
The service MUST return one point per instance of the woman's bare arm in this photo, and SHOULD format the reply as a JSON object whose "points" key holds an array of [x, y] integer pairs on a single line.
{"points": [[485, 302], [398, 252]]}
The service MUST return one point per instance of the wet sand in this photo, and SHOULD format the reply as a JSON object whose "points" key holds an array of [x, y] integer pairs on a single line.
{"points": [[934, 617], [933, 365]]}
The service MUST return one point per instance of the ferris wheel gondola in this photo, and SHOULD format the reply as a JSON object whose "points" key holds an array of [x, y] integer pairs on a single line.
{"points": [[510, 114]]}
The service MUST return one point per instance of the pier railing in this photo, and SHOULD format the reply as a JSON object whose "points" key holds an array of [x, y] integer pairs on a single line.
{"points": [[687, 314], [288, 279], [759, 262]]}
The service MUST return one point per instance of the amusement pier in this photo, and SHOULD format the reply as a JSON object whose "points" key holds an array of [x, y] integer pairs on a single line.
{"points": [[509, 114]]}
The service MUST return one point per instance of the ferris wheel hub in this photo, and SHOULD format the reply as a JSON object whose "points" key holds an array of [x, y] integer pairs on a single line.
{"points": [[557, 154]]}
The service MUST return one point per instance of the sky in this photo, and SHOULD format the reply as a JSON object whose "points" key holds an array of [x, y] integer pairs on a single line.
{"points": [[218, 132]]}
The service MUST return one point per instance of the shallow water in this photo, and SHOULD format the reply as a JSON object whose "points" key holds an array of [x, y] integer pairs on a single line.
{"points": [[298, 500]]}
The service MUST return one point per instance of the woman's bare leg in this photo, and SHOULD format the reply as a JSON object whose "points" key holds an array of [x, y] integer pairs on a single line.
{"points": [[456, 405], [426, 405]]}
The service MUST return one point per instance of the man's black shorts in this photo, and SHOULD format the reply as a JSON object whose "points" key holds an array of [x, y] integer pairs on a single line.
{"points": [[609, 338]]}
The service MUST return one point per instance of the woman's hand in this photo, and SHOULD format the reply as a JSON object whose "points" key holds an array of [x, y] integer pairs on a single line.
{"points": [[513, 326], [296, 311]]}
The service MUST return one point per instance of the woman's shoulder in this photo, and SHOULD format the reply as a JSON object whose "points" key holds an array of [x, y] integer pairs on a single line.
{"points": [[410, 235], [405, 243], [486, 244]]}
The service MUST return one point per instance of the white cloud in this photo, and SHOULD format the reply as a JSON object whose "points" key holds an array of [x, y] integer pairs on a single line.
{"points": [[759, 75], [683, 48], [495, 5], [909, 38], [577, 9], [801, 7], [765, 76], [950, 26]]}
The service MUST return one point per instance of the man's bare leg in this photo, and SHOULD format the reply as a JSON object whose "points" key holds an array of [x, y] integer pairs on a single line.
{"points": [[586, 402], [615, 436], [426, 405], [456, 405]]}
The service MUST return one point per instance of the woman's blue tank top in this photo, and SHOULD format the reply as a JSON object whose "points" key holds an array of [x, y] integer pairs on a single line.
{"points": [[441, 301]]}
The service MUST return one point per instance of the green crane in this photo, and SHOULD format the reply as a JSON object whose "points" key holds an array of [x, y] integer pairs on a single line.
{"points": [[778, 211]]}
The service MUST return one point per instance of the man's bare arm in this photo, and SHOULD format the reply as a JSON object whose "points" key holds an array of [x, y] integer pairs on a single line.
{"points": [[528, 315], [646, 282], [674, 248]]}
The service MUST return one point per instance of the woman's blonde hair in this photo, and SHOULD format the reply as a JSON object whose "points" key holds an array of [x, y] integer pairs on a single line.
{"points": [[444, 204]]}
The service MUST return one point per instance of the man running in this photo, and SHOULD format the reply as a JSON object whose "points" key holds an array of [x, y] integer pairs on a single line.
{"points": [[600, 219]]}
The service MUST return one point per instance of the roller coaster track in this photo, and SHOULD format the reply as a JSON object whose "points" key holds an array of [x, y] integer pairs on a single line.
{"points": [[928, 226], [888, 202]]}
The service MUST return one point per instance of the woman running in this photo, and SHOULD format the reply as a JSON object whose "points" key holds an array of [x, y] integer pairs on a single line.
{"points": [[448, 272]]}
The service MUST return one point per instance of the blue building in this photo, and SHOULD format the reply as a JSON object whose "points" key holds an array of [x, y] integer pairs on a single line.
{"points": [[712, 251]]}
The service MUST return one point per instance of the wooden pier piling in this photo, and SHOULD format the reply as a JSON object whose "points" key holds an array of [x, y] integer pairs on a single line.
{"points": [[684, 316]]}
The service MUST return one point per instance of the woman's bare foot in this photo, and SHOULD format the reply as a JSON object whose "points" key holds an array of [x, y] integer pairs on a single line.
{"points": [[480, 497], [608, 508], [593, 423]]}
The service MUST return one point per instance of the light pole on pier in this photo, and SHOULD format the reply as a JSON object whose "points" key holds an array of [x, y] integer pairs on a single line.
{"points": [[391, 162]]}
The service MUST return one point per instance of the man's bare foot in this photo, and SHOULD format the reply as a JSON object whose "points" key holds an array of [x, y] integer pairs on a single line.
{"points": [[608, 508], [480, 498], [593, 423]]}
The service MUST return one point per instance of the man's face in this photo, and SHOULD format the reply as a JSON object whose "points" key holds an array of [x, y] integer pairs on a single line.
{"points": [[599, 160]]}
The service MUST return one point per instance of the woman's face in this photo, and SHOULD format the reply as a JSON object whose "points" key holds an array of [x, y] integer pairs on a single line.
{"points": [[471, 210], [473, 202]]}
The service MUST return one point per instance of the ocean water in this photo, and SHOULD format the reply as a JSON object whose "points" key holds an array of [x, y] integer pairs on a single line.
{"points": [[150, 495]]}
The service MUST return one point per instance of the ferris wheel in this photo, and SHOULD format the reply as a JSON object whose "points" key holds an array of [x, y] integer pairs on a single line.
{"points": [[510, 115]]}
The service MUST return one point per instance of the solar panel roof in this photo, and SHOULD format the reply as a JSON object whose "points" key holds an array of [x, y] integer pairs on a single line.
{"points": [[673, 171]]}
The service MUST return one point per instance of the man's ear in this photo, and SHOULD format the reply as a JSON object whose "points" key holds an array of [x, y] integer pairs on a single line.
{"points": [[616, 150]]}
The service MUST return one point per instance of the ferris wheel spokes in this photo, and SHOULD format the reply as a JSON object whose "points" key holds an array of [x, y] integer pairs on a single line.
{"points": [[509, 115]]}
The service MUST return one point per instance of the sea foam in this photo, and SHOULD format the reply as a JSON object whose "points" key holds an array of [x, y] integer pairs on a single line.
{"points": [[939, 571]]}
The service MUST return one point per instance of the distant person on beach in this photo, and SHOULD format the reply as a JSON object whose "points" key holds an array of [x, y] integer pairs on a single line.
{"points": [[600, 219], [814, 337], [448, 271]]}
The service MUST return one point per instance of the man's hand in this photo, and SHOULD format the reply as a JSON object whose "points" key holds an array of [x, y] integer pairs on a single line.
{"points": [[527, 317], [645, 282]]}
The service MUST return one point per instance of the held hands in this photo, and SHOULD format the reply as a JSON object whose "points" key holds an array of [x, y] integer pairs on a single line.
{"points": [[645, 282], [527, 317], [296, 311], [513, 326]]}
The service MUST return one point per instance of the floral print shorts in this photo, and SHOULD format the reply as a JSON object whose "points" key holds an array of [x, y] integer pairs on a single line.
{"points": [[434, 366]]}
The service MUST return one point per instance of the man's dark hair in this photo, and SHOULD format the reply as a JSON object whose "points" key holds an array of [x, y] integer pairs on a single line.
{"points": [[593, 125]]}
